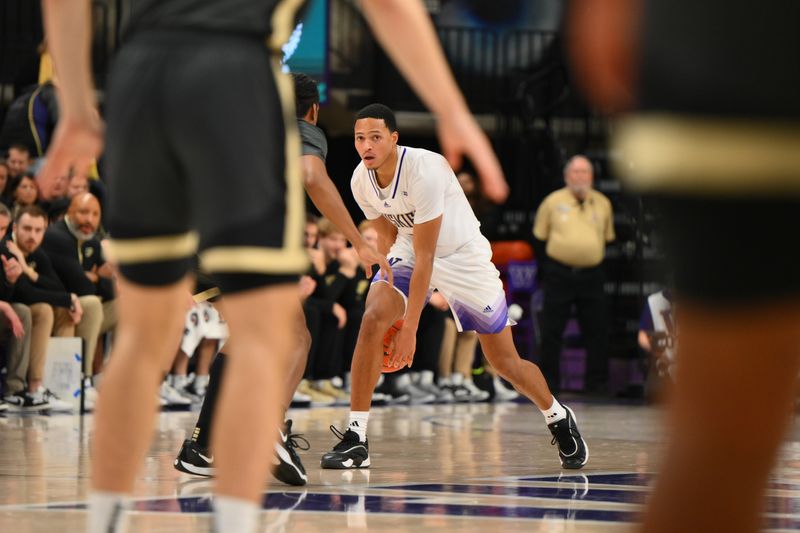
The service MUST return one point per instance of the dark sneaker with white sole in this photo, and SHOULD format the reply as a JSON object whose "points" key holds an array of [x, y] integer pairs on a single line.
{"points": [[349, 453], [194, 460], [288, 467], [572, 449]]}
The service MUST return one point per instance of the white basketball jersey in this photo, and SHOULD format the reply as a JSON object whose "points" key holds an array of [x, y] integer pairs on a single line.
{"points": [[424, 187]]}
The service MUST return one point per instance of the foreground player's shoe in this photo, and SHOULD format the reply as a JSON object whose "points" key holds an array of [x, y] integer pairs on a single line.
{"points": [[288, 467], [572, 449], [349, 453], [194, 460]]}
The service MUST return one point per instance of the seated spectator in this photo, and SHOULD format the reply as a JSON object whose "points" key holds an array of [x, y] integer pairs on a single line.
{"points": [[325, 313], [78, 184], [18, 160], [37, 312], [78, 260], [24, 193], [311, 232], [15, 327], [40, 284]]}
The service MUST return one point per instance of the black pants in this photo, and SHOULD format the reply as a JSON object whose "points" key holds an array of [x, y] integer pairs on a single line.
{"points": [[583, 287]]}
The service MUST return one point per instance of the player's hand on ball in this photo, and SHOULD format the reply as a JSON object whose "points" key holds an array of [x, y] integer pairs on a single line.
{"points": [[403, 347]]}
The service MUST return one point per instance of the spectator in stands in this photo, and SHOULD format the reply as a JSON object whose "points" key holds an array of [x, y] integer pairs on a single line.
{"points": [[40, 284], [18, 161], [24, 193], [334, 270], [37, 287], [78, 260], [15, 323], [577, 222], [78, 183], [311, 233]]}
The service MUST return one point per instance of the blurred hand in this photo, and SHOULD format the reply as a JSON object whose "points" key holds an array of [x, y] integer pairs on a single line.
{"points": [[306, 286], [92, 274], [16, 252], [11, 268], [76, 313], [460, 135], [340, 314], [370, 256], [317, 260], [77, 142]]}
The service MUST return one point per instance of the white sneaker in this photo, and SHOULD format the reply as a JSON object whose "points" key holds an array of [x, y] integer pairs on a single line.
{"points": [[501, 393], [172, 396], [3, 405], [416, 395], [55, 403], [476, 394]]}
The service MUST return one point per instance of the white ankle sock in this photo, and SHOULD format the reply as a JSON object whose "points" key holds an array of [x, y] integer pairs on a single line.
{"points": [[358, 423], [235, 514], [555, 413], [105, 511]]}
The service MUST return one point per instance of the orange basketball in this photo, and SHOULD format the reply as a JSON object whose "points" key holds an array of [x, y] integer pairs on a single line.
{"points": [[387, 341]]}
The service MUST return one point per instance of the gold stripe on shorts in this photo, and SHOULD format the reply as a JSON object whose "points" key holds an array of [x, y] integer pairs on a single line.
{"points": [[693, 155], [152, 249], [254, 260]]}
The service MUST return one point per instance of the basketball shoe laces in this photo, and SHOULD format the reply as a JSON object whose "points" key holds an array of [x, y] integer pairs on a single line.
{"points": [[567, 438], [344, 441], [295, 440]]}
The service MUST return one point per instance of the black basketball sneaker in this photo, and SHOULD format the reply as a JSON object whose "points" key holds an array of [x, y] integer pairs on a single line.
{"points": [[572, 449], [288, 467], [192, 459], [349, 453]]}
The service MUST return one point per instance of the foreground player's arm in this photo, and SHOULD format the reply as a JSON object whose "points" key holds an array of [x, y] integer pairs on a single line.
{"points": [[405, 31], [326, 198], [77, 140], [426, 235]]}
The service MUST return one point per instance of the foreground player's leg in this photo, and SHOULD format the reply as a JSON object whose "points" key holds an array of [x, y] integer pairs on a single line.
{"points": [[260, 322], [724, 354], [384, 306], [528, 379], [151, 319]]}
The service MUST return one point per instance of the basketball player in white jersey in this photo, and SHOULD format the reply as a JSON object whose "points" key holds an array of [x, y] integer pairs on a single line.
{"points": [[433, 241]]}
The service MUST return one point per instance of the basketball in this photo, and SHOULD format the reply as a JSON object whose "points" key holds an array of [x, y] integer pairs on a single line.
{"points": [[387, 341]]}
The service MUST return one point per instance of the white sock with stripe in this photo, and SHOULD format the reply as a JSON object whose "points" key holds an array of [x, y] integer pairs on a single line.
{"points": [[358, 423]]}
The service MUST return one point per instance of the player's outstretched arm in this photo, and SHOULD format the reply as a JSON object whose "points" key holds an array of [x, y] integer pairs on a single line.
{"points": [[78, 137], [405, 31], [326, 197]]}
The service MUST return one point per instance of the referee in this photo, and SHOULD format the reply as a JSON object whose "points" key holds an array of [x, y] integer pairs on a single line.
{"points": [[577, 222]]}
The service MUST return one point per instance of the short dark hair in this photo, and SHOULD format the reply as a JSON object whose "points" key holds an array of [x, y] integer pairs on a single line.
{"points": [[379, 111], [19, 147], [306, 93], [31, 210]]}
